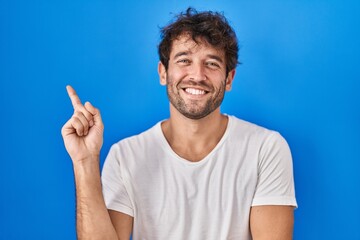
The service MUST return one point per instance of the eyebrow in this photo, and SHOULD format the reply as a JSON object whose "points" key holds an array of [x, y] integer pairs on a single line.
{"points": [[216, 57], [185, 53]]}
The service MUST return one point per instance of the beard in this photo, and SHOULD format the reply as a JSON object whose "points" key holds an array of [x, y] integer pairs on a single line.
{"points": [[195, 109]]}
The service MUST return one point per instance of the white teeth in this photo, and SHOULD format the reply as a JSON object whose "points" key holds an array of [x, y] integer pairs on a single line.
{"points": [[194, 91]]}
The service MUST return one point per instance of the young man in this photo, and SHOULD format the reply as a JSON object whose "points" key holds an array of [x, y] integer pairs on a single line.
{"points": [[199, 174]]}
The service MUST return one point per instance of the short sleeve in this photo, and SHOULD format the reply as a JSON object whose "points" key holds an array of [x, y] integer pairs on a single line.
{"points": [[114, 190], [275, 184]]}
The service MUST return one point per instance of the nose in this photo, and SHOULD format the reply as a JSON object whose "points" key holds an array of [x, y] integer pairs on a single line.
{"points": [[197, 72]]}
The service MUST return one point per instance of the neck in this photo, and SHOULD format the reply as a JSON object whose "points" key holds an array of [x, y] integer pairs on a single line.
{"points": [[194, 139]]}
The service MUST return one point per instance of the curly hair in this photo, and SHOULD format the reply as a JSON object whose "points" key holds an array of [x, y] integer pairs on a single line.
{"points": [[210, 26]]}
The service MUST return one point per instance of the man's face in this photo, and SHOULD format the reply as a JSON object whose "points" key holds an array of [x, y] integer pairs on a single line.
{"points": [[196, 77]]}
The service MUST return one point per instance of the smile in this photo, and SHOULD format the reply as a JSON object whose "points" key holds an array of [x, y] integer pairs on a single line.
{"points": [[194, 91]]}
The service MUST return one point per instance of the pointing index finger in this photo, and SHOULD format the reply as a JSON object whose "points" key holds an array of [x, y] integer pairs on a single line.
{"points": [[75, 100]]}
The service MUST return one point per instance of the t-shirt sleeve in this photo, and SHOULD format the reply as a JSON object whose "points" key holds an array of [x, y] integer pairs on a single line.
{"points": [[114, 188], [275, 184]]}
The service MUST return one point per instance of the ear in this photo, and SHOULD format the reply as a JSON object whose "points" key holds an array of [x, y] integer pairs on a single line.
{"points": [[229, 80], [162, 73]]}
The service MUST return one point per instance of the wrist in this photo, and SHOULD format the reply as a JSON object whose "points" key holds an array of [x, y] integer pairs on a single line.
{"points": [[87, 163], [85, 160]]}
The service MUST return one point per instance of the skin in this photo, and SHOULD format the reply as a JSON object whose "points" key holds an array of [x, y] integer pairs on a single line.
{"points": [[195, 120], [272, 222], [196, 81], [83, 138]]}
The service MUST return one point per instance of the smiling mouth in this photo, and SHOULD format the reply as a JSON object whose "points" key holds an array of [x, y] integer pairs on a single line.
{"points": [[195, 91]]}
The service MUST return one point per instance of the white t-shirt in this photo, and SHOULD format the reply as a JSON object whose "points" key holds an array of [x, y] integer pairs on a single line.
{"points": [[172, 198]]}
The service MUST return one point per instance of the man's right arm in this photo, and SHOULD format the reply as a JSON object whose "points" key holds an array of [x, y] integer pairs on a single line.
{"points": [[83, 138], [92, 218]]}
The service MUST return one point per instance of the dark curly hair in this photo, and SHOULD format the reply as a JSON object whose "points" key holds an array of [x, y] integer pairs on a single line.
{"points": [[210, 26]]}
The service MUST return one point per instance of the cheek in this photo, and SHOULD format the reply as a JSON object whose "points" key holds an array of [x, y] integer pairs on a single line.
{"points": [[173, 78], [171, 83], [178, 75], [221, 83], [178, 71]]}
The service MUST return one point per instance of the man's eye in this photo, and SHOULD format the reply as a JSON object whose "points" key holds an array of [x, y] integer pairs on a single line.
{"points": [[213, 64], [183, 61]]}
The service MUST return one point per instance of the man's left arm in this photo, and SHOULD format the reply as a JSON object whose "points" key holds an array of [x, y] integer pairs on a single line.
{"points": [[272, 211], [271, 222]]}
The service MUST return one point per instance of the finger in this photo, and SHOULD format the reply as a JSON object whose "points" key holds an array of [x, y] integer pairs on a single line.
{"points": [[80, 123], [90, 110], [75, 126], [75, 100], [87, 114], [67, 129], [94, 112], [77, 105]]}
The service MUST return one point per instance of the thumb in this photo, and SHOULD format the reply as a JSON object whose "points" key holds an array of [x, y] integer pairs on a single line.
{"points": [[95, 112]]}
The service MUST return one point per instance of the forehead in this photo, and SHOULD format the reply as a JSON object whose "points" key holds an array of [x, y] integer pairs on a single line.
{"points": [[185, 43]]}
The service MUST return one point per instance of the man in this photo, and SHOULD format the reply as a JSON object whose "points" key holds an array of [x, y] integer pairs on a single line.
{"points": [[199, 174]]}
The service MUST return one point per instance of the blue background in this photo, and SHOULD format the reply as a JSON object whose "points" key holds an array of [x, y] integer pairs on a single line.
{"points": [[300, 75]]}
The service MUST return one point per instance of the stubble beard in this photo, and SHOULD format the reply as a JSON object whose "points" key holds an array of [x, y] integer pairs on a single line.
{"points": [[194, 110]]}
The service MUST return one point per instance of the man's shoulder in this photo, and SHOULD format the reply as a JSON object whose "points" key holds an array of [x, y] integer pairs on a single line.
{"points": [[135, 149], [242, 129], [246, 127], [145, 137]]}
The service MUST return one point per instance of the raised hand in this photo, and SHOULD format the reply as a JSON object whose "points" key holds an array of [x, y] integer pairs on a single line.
{"points": [[83, 132]]}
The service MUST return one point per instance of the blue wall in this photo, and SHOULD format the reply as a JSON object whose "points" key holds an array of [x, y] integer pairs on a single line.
{"points": [[300, 75]]}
